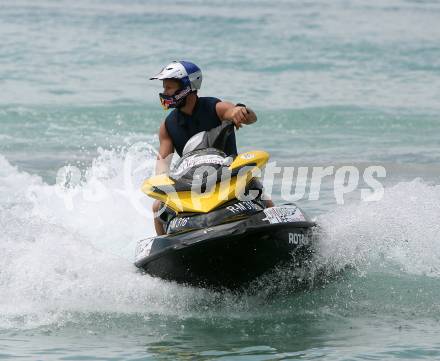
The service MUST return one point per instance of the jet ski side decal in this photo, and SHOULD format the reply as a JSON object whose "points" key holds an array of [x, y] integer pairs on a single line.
{"points": [[283, 214]]}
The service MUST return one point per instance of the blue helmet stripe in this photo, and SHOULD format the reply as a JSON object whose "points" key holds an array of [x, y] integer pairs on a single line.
{"points": [[189, 67]]}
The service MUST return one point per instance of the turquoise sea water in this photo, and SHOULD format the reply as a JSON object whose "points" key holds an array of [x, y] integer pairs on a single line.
{"points": [[334, 83]]}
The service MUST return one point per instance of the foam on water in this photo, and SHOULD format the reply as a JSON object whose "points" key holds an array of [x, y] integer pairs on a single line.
{"points": [[69, 251], [401, 230], [59, 256]]}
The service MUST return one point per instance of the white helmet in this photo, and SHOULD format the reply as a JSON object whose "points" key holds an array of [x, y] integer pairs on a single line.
{"points": [[188, 73]]}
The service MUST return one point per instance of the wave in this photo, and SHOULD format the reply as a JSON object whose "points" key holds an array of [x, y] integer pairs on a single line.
{"points": [[68, 248], [400, 232]]}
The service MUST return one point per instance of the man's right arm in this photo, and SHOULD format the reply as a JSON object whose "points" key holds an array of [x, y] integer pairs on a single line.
{"points": [[237, 113], [166, 149]]}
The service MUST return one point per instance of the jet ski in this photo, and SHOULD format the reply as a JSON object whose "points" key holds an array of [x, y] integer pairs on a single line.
{"points": [[219, 232]]}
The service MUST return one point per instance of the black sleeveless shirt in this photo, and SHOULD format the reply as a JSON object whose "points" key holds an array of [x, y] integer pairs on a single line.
{"points": [[181, 126]]}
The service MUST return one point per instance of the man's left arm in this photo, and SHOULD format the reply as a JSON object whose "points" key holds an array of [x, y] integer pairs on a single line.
{"points": [[239, 114]]}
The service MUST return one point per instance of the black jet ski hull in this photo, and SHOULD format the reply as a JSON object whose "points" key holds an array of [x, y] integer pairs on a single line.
{"points": [[229, 255]]}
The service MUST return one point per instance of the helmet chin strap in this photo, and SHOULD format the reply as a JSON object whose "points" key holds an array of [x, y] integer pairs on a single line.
{"points": [[182, 103]]}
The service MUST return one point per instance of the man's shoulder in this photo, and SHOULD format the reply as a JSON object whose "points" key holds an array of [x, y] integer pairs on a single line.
{"points": [[210, 100]]}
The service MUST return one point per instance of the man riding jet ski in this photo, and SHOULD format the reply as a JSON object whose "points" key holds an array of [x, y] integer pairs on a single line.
{"points": [[219, 232], [191, 114]]}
